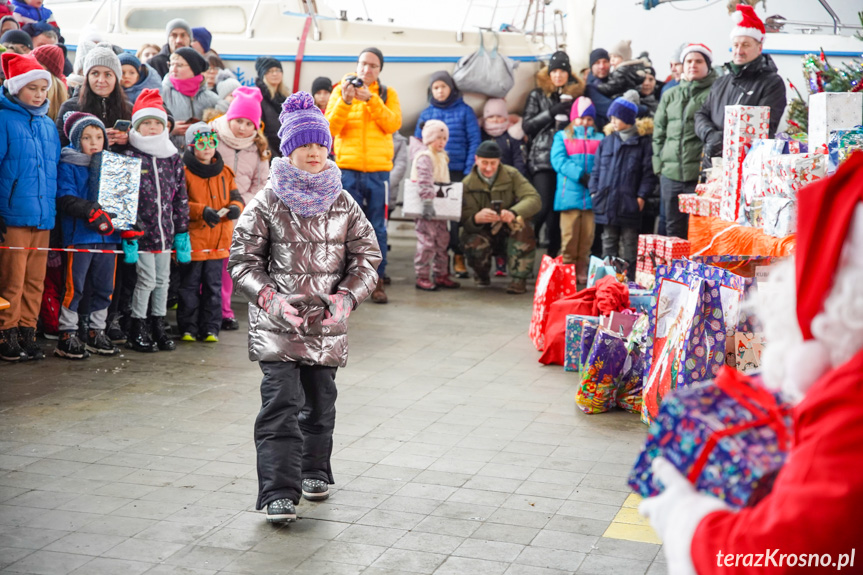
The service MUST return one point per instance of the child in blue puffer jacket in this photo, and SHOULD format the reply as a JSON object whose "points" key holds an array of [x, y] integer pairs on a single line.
{"points": [[85, 225], [572, 157], [29, 152]]}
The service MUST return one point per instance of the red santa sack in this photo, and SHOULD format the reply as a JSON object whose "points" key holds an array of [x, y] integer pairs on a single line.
{"points": [[554, 281]]}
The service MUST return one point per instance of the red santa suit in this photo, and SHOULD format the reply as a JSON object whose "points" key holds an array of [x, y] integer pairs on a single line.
{"points": [[810, 521]]}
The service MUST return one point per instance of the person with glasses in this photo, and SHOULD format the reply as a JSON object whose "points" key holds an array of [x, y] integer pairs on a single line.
{"points": [[214, 204], [363, 115], [185, 92]]}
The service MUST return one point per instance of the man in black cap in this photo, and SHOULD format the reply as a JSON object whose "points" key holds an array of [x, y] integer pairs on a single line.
{"points": [[600, 67], [497, 207], [363, 115]]}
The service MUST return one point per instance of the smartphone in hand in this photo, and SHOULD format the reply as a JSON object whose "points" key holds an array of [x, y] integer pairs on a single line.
{"points": [[122, 125]]}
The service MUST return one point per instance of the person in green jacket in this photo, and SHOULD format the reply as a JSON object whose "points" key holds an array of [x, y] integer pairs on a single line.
{"points": [[497, 206], [676, 147]]}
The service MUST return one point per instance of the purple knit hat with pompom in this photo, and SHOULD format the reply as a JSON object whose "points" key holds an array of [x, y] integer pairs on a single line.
{"points": [[302, 123]]}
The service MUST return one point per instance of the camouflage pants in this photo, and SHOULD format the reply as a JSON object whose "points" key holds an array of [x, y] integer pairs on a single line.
{"points": [[432, 242], [520, 249]]}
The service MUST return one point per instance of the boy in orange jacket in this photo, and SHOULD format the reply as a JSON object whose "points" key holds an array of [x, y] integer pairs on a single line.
{"points": [[214, 203]]}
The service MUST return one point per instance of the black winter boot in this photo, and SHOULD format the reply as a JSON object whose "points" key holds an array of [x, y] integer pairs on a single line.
{"points": [[139, 336], [70, 346], [160, 334], [10, 349], [27, 341], [98, 342]]}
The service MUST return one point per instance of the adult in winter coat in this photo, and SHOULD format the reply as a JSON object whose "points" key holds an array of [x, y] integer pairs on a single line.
{"points": [[29, 152], [808, 522], [184, 92], [447, 105], [676, 147], [274, 91], [486, 231], [547, 111], [102, 95], [752, 80], [137, 76], [304, 256], [600, 68], [179, 35], [362, 121], [622, 180]]}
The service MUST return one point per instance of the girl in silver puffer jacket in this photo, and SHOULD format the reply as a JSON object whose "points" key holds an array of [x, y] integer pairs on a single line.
{"points": [[305, 256]]}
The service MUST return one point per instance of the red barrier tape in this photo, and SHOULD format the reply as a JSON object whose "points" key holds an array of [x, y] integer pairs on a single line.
{"points": [[95, 251]]}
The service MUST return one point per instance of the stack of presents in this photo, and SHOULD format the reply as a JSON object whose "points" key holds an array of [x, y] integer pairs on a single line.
{"points": [[756, 181], [676, 347]]}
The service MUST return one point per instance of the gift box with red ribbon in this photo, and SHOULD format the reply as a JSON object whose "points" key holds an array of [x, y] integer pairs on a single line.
{"points": [[743, 125], [729, 438], [696, 205]]}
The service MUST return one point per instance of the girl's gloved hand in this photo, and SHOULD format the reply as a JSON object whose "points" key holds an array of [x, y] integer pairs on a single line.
{"points": [[279, 305], [130, 251], [339, 309], [183, 245]]}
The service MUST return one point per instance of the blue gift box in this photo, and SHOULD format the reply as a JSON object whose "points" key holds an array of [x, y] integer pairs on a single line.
{"points": [[729, 437], [572, 347]]}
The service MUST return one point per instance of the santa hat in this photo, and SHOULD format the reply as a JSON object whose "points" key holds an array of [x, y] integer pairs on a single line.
{"points": [[826, 210], [700, 49], [20, 70], [149, 105], [747, 23]]}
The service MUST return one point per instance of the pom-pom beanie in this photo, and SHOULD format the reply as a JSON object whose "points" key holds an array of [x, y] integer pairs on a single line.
{"points": [[246, 104], [302, 123], [434, 129], [74, 124], [226, 87], [103, 55], [624, 110]]}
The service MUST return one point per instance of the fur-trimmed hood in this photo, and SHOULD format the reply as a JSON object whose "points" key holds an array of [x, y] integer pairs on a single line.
{"points": [[644, 126], [574, 87]]}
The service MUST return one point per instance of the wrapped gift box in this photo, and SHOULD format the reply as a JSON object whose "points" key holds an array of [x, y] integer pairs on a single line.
{"points": [[645, 279], [831, 111], [572, 347], [600, 373], [842, 143], [789, 173], [696, 205], [743, 125], [779, 216], [654, 250], [729, 438], [745, 352], [631, 384], [756, 174], [554, 281], [119, 182]]}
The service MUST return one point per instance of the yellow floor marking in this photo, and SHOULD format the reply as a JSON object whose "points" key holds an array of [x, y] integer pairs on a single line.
{"points": [[631, 526]]}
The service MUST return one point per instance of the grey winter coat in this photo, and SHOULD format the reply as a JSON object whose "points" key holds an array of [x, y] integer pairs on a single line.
{"points": [[327, 253], [182, 108], [757, 84]]}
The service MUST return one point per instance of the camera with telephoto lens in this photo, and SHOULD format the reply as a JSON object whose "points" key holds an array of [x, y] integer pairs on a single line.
{"points": [[355, 81]]}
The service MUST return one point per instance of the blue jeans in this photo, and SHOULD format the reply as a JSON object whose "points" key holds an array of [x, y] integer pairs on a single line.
{"points": [[369, 190]]}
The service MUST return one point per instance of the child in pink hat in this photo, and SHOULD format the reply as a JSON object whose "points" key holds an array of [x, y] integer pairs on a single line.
{"points": [[244, 149]]}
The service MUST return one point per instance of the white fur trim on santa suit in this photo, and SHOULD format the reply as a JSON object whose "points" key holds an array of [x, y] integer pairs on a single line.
{"points": [[15, 83]]}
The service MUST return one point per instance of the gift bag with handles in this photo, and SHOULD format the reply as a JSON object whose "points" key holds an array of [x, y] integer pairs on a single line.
{"points": [[484, 72], [447, 201]]}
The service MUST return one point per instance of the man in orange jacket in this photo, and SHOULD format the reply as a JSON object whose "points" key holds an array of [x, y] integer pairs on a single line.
{"points": [[809, 522], [363, 116]]}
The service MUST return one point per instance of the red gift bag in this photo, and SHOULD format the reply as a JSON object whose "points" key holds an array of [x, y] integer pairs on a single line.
{"points": [[555, 280]]}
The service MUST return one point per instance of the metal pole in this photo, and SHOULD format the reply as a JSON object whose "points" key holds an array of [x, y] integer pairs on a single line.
{"points": [[836, 23], [459, 36]]}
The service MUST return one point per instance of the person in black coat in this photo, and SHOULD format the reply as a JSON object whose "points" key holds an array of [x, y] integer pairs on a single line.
{"points": [[546, 112], [752, 80], [269, 81]]}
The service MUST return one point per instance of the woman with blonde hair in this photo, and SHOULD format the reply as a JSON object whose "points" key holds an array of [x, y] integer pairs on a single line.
{"points": [[274, 91], [51, 58]]}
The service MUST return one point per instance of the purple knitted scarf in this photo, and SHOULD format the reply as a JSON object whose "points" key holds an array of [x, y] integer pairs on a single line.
{"points": [[304, 193]]}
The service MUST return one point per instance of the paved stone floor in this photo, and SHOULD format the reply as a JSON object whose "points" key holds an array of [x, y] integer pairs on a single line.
{"points": [[456, 453]]}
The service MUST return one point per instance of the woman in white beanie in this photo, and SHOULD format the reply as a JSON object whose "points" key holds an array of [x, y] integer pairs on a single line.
{"points": [[101, 94]]}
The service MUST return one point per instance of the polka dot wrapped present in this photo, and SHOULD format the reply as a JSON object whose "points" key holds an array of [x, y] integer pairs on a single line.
{"points": [[730, 438]]}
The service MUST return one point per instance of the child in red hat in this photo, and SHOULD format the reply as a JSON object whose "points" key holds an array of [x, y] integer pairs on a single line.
{"points": [[29, 152], [163, 207]]}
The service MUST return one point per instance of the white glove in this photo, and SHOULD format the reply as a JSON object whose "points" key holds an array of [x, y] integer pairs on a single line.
{"points": [[675, 514]]}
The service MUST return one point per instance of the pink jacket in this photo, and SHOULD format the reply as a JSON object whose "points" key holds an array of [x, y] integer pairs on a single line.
{"points": [[250, 171]]}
